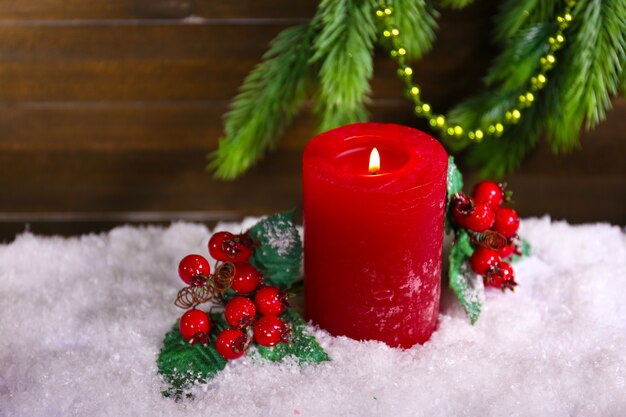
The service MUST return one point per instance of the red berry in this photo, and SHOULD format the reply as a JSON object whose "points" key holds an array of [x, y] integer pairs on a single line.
{"points": [[246, 278], [231, 343], [240, 312], [192, 266], [225, 246], [194, 326], [506, 222], [508, 250], [490, 193], [270, 301], [461, 207], [482, 259], [480, 218], [501, 276], [270, 331]]}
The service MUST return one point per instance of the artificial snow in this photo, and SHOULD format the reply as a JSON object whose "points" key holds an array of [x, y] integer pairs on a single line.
{"points": [[82, 321]]}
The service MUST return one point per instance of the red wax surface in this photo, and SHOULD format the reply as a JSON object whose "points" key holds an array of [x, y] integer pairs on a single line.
{"points": [[372, 243]]}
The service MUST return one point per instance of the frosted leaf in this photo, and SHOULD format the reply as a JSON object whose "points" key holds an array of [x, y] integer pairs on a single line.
{"points": [[278, 249]]}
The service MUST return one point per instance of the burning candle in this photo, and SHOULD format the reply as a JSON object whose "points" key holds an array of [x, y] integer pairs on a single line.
{"points": [[374, 201]]}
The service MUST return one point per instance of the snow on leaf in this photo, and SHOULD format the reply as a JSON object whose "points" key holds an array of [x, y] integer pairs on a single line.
{"points": [[183, 365], [278, 250], [454, 184], [302, 346], [467, 285], [524, 248]]}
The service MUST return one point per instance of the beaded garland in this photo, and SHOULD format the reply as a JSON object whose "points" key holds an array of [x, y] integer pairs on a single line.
{"points": [[439, 121]]}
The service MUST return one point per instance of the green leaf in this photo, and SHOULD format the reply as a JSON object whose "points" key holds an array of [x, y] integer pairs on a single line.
{"points": [[454, 184], [279, 252], [467, 285], [524, 248], [302, 346], [182, 365]]}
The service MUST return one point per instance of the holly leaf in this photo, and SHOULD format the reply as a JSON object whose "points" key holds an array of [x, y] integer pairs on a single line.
{"points": [[467, 286], [524, 248], [302, 345], [182, 365], [454, 184], [278, 250]]}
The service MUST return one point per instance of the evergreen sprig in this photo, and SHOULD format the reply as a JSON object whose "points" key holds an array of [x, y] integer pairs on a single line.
{"points": [[513, 15], [417, 22], [588, 73], [344, 51], [337, 48], [267, 101]]}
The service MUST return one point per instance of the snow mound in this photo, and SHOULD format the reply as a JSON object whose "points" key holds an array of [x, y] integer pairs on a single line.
{"points": [[82, 320]]}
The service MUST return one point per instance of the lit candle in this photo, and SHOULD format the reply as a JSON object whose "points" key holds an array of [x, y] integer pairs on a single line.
{"points": [[374, 201]]}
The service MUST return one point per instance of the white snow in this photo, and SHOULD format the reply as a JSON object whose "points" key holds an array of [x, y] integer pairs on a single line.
{"points": [[82, 320]]}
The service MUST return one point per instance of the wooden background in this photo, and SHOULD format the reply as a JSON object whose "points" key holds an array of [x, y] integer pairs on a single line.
{"points": [[108, 107]]}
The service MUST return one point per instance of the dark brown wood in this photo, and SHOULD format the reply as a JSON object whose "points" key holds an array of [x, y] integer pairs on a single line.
{"points": [[161, 126], [156, 9], [130, 179], [108, 108], [203, 61]]}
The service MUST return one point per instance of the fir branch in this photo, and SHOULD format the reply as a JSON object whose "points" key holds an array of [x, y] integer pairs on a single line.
{"points": [[344, 51], [517, 63], [417, 21], [516, 14], [497, 157], [479, 112], [267, 101], [455, 4], [590, 69]]}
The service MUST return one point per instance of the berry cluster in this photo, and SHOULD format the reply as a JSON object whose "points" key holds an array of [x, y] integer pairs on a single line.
{"points": [[249, 307], [493, 229]]}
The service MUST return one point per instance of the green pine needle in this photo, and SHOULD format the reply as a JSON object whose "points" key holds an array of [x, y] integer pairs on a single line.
{"points": [[267, 101], [520, 60], [590, 70], [516, 14], [497, 157], [344, 50], [417, 21]]}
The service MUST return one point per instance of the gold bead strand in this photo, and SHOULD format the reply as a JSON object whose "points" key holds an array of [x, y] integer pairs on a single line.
{"points": [[422, 109]]}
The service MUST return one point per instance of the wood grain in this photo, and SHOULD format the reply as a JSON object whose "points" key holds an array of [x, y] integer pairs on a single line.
{"points": [[156, 9], [161, 126], [139, 61], [108, 108]]}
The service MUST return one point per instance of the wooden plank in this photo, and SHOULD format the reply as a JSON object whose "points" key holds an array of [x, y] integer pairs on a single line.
{"points": [[197, 61], [162, 126], [170, 126], [152, 181], [156, 9], [77, 181]]}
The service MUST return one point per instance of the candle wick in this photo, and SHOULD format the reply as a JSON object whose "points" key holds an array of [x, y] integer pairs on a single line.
{"points": [[373, 172]]}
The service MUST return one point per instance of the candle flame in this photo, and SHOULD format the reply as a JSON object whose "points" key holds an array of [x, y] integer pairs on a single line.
{"points": [[374, 161]]}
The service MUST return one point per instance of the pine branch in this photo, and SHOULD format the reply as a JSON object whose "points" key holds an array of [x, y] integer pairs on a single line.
{"points": [[516, 14], [344, 51], [417, 21], [455, 4], [590, 69], [520, 60], [267, 101], [497, 157]]}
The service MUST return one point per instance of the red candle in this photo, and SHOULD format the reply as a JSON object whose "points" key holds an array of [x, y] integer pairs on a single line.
{"points": [[373, 238]]}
